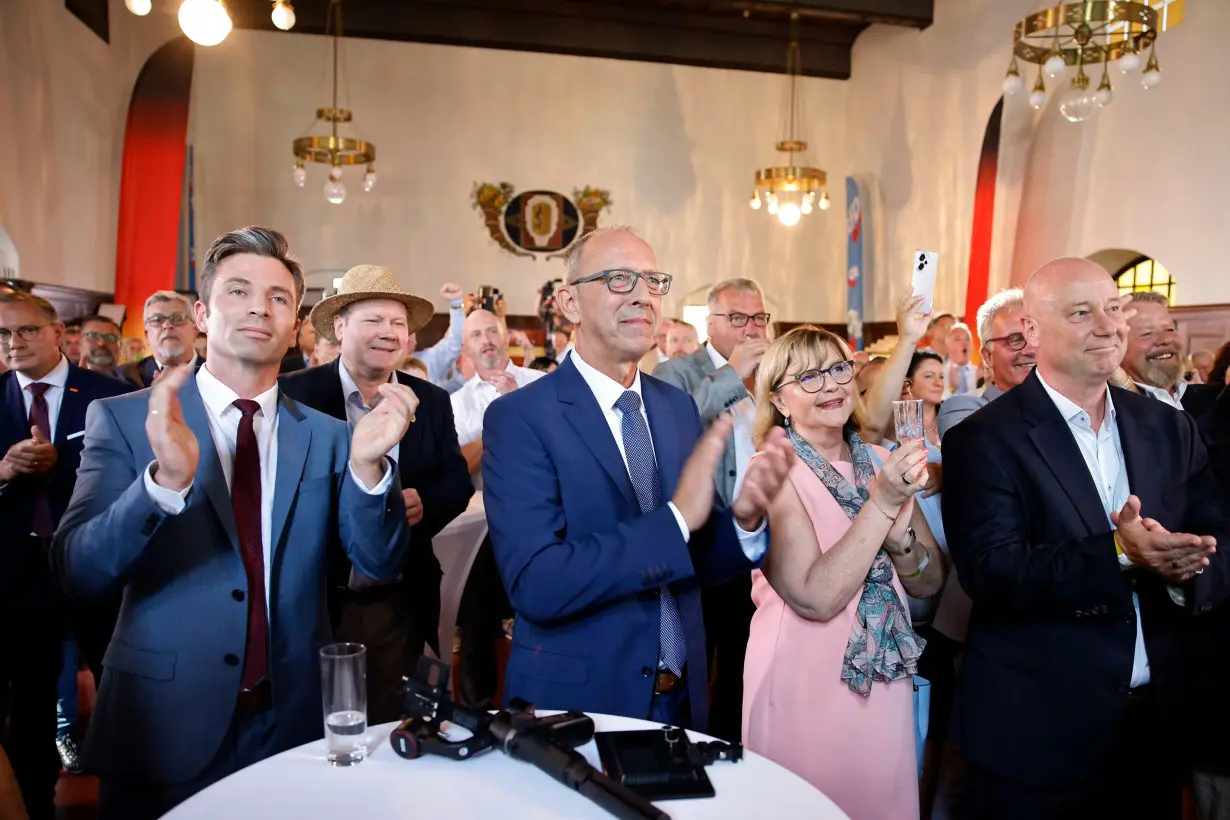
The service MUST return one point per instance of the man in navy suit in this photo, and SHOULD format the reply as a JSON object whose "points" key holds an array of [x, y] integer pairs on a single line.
{"points": [[211, 501], [603, 534], [371, 316], [43, 400]]}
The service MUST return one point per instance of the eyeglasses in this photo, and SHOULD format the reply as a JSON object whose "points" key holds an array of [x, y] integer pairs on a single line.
{"points": [[741, 320], [619, 280], [94, 336], [813, 380], [1015, 341], [175, 320], [28, 333]]}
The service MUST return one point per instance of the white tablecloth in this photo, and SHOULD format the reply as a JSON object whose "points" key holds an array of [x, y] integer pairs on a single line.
{"points": [[301, 784], [455, 547]]}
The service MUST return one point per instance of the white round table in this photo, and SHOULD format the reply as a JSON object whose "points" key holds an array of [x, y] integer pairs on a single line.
{"points": [[301, 784]]}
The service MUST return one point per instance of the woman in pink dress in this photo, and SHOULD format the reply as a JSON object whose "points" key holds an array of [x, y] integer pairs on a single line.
{"points": [[828, 681]]}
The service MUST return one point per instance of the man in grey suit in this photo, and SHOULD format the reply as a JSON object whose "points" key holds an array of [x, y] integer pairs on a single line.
{"points": [[718, 376], [211, 501]]}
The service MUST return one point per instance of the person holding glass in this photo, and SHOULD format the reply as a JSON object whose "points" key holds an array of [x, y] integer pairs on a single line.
{"points": [[828, 681]]}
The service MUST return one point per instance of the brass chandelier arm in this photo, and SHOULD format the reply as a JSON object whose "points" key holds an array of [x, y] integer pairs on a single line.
{"points": [[334, 150], [1085, 21]]}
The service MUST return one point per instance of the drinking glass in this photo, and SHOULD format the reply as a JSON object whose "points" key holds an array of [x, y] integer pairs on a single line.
{"points": [[908, 419], [343, 684]]}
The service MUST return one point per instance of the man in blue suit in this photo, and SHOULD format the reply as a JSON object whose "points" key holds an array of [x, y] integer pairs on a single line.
{"points": [[212, 501], [603, 534], [43, 400]]}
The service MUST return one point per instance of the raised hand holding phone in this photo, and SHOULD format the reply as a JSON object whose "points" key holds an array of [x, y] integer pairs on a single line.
{"points": [[922, 273]]}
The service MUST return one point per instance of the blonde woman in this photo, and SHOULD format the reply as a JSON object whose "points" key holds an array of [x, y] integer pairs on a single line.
{"points": [[828, 681]]}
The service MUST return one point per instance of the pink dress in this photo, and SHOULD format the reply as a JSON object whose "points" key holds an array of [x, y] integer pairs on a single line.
{"points": [[797, 711]]}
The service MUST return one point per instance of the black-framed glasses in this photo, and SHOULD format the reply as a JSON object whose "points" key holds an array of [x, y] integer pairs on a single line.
{"points": [[813, 380], [175, 320], [95, 336], [619, 280], [28, 333], [741, 319], [1015, 341]]}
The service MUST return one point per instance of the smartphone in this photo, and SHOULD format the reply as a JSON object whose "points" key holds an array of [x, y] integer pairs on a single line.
{"points": [[922, 273]]}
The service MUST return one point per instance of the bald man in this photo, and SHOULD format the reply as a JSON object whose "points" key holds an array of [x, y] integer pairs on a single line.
{"points": [[1083, 521]]}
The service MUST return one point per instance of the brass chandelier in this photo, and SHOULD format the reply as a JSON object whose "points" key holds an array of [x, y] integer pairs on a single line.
{"points": [[1091, 33], [791, 190], [333, 150]]}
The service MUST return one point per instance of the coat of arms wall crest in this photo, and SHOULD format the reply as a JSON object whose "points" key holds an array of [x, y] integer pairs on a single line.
{"points": [[538, 222]]}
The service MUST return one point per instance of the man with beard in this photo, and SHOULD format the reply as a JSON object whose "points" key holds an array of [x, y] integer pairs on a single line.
{"points": [[171, 332], [100, 339], [484, 603], [1154, 366]]}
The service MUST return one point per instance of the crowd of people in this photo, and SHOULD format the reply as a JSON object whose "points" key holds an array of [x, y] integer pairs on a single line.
{"points": [[729, 536]]}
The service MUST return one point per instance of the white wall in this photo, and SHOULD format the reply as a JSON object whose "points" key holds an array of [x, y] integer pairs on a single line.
{"points": [[1149, 172], [676, 147], [63, 100]]}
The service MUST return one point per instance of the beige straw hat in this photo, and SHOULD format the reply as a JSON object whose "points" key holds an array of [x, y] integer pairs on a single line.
{"points": [[369, 282]]}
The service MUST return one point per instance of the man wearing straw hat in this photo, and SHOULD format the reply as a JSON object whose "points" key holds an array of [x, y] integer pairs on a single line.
{"points": [[370, 317]]}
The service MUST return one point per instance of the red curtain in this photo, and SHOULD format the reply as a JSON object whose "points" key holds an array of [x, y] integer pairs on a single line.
{"points": [[152, 179], [984, 220]]}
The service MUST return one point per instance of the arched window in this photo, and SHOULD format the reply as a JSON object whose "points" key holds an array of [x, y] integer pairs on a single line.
{"points": [[1144, 273]]}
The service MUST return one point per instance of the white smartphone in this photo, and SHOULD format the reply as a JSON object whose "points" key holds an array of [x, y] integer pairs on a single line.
{"points": [[923, 267]]}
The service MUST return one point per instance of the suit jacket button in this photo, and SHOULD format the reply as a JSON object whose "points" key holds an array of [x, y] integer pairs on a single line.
{"points": [[733, 473], [231, 659], [647, 671], [237, 594], [1129, 618]]}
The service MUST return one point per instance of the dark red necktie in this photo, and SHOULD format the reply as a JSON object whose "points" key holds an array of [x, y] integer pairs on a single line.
{"points": [[41, 523], [246, 505]]}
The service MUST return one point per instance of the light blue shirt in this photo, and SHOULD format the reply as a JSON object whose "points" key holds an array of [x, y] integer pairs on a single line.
{"points": [[440, 357]]}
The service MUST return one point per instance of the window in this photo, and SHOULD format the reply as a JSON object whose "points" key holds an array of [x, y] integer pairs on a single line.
{"points": [[1146, 274]]}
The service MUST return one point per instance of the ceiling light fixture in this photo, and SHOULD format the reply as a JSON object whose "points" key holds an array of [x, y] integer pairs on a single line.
{"points": [[204, 22], [283, 15]]}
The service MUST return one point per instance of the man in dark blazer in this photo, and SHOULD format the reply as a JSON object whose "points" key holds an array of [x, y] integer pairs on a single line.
{"points": [[43, 399], [1083, 522], [371, 316], [601, 506], [172, 334]]}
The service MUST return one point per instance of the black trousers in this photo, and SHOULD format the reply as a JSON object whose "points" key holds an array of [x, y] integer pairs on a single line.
{"points": [[380, 620], [1137, 782], [483, 608], [728, 611], [31, 631]]}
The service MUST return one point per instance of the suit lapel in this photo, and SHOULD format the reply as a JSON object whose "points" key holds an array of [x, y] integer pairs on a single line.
{"points": [[1140, 480], [294, 437], [586, 417], [72, 408], [1061, 454], [665, 433], [332, 400], [13, 418], [209, 477], [411, 449]]}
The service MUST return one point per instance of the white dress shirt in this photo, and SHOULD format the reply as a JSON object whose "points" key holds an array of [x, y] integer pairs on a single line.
{"points": [[223, 417], [1161, 394], [1103, 454], [470, 403], [607, 392], [54, 396], [744, 414]]}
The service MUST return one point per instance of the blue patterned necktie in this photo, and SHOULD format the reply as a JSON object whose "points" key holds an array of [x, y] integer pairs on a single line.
{"points": [[962, 382], [643, 468]]}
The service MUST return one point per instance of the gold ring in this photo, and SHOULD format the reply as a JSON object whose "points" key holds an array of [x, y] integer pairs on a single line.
{"points": [[412, 418]]}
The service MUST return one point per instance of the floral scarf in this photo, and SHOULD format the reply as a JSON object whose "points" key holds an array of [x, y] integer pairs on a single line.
{"points": [[883, 645]]}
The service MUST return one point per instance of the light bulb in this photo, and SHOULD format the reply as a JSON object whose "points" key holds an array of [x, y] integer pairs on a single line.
{"points": [[299, 175], [755, 203], [773, 205], [824, 201], [789, 215], [138, 7], [1013, 83], [1129, 62], [1078, 103], [1153, 72], [369, 181], [283, 15], [1104, 95], [1054, 66], [204, 22], [805, 207], [335, 172], [335, 191]]}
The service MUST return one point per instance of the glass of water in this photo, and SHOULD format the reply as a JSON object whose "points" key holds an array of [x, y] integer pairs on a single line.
{"points": [[343, 684], [908, 420]]}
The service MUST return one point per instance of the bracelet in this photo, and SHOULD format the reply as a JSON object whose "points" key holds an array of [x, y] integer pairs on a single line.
{"points": [[922, 565], [883, 511]]}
